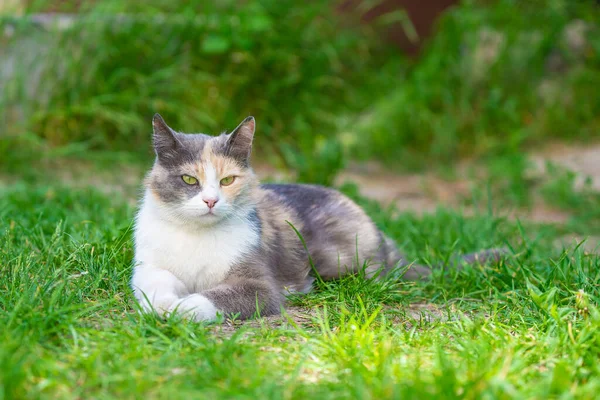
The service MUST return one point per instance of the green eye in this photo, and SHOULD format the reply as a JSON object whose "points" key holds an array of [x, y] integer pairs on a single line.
{"points": [[190, 180], [227, 180]]}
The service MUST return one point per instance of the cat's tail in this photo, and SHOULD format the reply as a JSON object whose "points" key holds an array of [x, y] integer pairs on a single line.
{"points": [[414, 272]]}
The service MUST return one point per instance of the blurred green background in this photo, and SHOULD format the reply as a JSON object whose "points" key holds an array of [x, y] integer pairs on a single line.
{"points": [[330, 83]]}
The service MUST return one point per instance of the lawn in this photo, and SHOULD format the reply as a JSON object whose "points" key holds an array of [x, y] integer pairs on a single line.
{"points": [[527, 327]]}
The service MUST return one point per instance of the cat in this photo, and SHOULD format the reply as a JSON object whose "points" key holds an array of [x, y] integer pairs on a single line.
{"points": [[210, 239]]}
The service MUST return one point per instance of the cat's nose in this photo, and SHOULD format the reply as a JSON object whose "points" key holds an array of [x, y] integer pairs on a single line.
{"points": [[210, 202]]}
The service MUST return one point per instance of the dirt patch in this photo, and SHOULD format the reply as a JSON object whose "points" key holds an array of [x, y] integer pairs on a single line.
{"points": [[423, 193], [293, 316], [425, 312], [124, 181], [589, 244], [584, 161], [306, 318], [420, 193]]}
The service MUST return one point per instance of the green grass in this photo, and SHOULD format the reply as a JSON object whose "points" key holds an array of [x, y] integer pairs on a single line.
{"points": [[527, 327]]}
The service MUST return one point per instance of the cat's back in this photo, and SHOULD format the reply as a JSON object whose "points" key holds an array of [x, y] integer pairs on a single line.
{"points": [[314, 203], [336, 229]]}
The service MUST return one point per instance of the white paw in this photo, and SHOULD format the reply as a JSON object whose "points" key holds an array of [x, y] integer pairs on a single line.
{"points": [[195, 306], [159, 304]]}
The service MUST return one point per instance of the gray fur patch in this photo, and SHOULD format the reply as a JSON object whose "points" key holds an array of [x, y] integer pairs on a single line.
{"points": [[246, 292]]}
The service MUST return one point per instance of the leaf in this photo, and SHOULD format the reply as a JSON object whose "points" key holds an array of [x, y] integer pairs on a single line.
{"points": [[215, 44], [259, 23]]}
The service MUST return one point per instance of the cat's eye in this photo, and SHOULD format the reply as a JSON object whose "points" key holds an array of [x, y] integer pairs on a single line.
{"points": [[227, 180], [190, 180]]}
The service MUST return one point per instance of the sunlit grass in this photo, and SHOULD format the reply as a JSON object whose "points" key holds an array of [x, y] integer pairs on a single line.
{"points": [[524, 328]]}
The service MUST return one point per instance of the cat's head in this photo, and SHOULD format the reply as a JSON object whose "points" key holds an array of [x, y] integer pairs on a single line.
{"points": [[200, 179]]}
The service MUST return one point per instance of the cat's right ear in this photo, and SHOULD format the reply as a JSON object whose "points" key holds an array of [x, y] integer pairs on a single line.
{"points": [[165, 143]]}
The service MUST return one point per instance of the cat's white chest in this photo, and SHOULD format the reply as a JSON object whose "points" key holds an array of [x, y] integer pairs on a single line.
{"points": [[200, 259]]}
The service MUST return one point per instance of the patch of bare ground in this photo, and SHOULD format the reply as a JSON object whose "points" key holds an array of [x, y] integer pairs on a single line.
{"points": [[583, 160], [124, 180], [423, 192], [420, 313], [427, 311], [409, 316], [292, 316], [590, 244], [420, 193]]}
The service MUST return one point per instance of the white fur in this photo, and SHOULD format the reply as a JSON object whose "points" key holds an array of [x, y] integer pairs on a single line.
{"points": [[176, 258], [211, 186], [197, 306]]}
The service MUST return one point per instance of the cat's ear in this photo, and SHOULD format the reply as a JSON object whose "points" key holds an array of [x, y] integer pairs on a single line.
{"points": [[165, 143], [239, 144]]}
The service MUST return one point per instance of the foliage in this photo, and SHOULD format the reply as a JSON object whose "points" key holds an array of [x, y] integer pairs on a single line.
{"points": [[497, 76], [203, 66]]}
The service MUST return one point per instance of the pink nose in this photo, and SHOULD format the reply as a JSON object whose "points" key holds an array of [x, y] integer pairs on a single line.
{"points": [[210, 202]]}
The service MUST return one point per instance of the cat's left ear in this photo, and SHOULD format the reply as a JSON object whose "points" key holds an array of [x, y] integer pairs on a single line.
{"points": [[165, 142], [239, 144]]}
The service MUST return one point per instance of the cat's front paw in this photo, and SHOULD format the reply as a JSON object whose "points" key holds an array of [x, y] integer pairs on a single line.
{"points": [[158, 304], [195, 306]]}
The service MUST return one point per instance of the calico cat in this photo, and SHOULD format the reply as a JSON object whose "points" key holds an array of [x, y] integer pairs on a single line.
{"points": [[209, 238]]}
